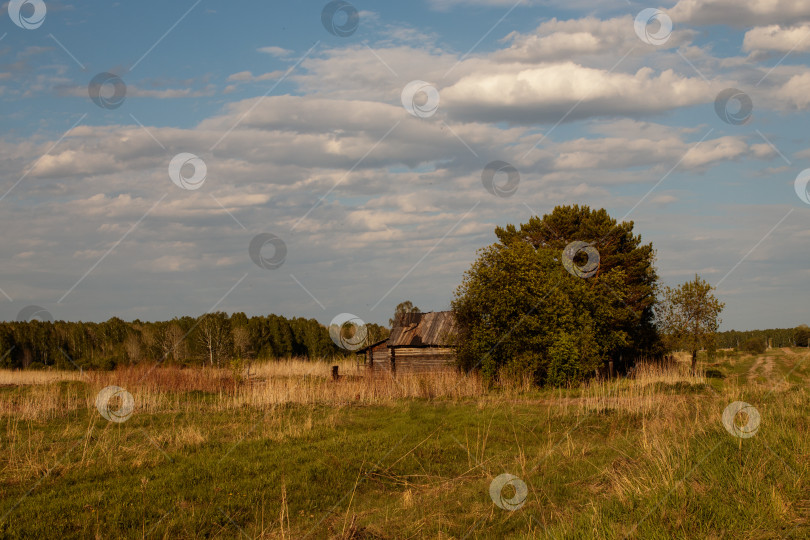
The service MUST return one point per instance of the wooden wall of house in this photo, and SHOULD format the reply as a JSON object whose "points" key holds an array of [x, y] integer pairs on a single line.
{"points": [[415, 359], [381, 359], [410, 359], [378, 358]]}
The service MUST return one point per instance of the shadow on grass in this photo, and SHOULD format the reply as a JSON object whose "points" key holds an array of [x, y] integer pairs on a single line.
{"points": [[714, 374]]}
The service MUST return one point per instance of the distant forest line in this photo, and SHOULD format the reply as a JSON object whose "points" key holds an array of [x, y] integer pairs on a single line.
{"points": [[218, 339], [212, 339], [781, 337]]}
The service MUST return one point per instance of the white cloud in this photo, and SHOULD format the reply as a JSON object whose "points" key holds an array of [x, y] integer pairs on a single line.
{"points": [[740, 14], [715, 150], [134, 91], [623, 153], [585, 5], [663, 199], [241, 76], [371, 74], [795, 91], [777, 38], [519, 94], [247, 76], [447, 4], [278, 52], [556, 40]]}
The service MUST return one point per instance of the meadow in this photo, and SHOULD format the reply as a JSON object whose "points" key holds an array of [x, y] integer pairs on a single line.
{"points": [[280, 450]]}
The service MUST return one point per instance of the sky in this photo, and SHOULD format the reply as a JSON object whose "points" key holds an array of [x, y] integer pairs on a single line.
{"points": [[313, 159]]}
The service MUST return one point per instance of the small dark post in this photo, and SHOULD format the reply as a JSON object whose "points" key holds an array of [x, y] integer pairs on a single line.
{"points": [[335, 375], [610, 368]]}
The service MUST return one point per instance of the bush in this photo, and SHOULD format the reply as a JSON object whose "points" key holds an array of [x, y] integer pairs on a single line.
{"points": [[106, 364], [802, 335], [522, 370], [564, 361], [754, 346]]}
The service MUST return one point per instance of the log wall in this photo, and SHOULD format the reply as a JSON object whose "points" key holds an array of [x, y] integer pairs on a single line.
{"points": [[415, 359], [378, 358]]}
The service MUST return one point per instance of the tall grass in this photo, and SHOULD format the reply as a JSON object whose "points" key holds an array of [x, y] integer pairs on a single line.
{"points": [[648, 390], [642, 456], [10, 377], [261, 385], [42, 395]]}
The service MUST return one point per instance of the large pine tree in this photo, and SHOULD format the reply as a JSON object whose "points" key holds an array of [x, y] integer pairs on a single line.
{"points": [[519, 306]]}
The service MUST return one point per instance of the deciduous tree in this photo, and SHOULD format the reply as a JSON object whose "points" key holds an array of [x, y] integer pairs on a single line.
{"points": [[802, 335], [689, 316], [214, 335], [403, 307]]}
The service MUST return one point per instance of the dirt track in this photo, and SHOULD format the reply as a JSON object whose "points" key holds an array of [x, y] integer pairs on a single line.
{"points": [[763, 367]]}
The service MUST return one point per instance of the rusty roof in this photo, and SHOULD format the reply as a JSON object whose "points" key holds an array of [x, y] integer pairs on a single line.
{"points": [[434, 329]]}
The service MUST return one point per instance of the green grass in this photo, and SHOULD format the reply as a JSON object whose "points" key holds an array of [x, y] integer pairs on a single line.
{"points": [[420, 469]]}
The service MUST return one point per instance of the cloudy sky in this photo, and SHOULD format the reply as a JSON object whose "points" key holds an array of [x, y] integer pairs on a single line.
{"points": [[353, 138]]}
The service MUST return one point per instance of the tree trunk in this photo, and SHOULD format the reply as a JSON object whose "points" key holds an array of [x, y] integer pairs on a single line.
{"points": [[694, 361]]}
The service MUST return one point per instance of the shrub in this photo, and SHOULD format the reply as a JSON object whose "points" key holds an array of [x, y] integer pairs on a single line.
{"points": [[754, 346], [802, 335], [564, 361], [106, 363]]}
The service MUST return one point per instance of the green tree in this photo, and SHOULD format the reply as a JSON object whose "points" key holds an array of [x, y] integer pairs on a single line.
{"points": [[87, 345], [689, 316], [801, 335], [403, 307], [376, 332], [619, 250], [754, 346], [519, 309]]}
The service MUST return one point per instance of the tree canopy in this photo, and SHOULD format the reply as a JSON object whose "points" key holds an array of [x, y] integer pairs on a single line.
{"points": [[689, 316], [403, 307], [780, 337], [213, 338], [801, 335], [524, 306]]}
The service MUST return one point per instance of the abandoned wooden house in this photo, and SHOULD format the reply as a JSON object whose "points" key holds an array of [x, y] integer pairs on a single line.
{"points": [[418, 342], [375, 356]]}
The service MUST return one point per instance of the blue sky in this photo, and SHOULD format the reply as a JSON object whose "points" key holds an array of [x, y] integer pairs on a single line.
{"points": [[303, 134]]}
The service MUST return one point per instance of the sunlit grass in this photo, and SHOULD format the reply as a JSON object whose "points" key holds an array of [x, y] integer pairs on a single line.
{"points": [[283, 451]]}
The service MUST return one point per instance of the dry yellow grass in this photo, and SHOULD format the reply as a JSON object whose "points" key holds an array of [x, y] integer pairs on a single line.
{"points": [[30, 377], [268, 384], [628, 439], [643, 392], [262, 385]]}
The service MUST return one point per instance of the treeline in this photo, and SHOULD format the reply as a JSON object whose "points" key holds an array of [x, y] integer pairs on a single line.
{"points": [[212, 339], [782, 337]]}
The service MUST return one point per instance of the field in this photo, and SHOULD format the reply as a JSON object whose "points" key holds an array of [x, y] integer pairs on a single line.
{"points": [[283, 451]]}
